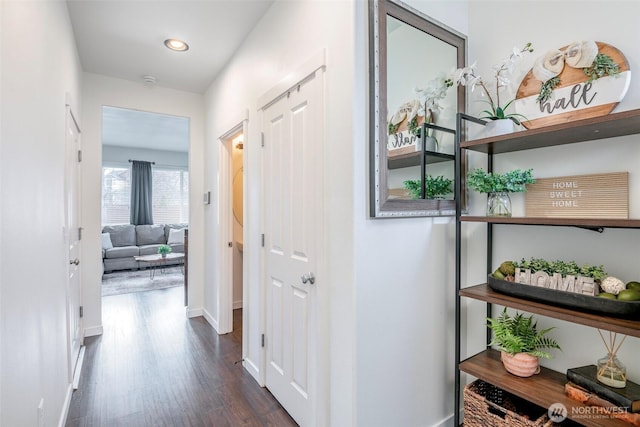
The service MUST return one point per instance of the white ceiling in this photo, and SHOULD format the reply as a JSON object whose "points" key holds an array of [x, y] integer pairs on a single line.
{"points": [[125, 39], [140, 129]]}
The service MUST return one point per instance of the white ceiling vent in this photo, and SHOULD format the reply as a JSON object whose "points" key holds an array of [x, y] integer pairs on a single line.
{"points": [[149, 80]]}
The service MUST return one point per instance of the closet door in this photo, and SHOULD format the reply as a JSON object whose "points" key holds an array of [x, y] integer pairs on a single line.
{"points": [[292, 205]]}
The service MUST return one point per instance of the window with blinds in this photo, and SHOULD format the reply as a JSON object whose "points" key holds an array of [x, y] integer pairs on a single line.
{"points": [[170, 201], [116, 195], [170, 196]]}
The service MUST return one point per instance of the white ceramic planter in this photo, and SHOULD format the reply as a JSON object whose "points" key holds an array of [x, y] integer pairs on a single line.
{"points": [[499, 127], [431, 144]]}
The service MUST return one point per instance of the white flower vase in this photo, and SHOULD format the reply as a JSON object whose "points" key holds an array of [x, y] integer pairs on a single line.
{"points": [[499, 127], [431, 144]]}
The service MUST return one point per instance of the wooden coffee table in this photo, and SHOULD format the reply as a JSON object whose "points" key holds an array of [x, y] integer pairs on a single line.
{"points": [[157, 260]]}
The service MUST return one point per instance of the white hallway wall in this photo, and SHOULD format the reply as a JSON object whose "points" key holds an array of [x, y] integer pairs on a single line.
{"points": [[386, 279], [97, 91], [288, 35], [405, 298], [38, 65], [613, 22]]}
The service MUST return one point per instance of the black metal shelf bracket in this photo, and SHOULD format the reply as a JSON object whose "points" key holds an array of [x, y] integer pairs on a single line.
{"points": [[597, 229], [423, 157]]}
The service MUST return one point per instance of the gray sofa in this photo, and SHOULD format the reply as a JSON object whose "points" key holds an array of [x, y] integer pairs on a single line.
{"points": [[120, 243]]}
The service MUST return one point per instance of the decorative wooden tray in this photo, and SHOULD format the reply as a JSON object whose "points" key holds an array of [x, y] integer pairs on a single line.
{"points": [[628, 309]]}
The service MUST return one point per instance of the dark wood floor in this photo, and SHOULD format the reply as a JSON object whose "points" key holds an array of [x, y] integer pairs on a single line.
{"points": [[154, 367]]}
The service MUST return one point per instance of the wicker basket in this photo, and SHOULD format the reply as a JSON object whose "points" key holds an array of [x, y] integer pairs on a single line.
{"points": [[487, 405]]}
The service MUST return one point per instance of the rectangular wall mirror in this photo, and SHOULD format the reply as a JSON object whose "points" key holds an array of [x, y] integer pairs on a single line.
{"points": [[412, 132]]}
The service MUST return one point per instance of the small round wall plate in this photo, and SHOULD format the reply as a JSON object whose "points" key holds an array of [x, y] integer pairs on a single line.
{"points": [[575, 97]]}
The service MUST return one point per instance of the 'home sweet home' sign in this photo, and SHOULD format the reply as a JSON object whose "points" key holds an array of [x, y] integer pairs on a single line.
{"points": [[580, 196]]}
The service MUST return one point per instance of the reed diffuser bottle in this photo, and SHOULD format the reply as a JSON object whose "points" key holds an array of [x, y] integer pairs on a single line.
{"points": [[611, 371]]}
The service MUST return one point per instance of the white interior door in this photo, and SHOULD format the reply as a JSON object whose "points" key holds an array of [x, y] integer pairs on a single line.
{"points": [[292, 201], [72, 217]]}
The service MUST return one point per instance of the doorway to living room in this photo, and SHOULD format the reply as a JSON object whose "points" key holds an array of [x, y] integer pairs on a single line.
{"points": [[145, 200]]}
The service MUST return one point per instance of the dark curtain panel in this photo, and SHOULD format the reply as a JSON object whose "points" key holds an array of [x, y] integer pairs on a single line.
{"points": [[141, 193]]}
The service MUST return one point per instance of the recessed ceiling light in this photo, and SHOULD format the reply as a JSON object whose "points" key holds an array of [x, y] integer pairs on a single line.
{"points": [[176, 44]]}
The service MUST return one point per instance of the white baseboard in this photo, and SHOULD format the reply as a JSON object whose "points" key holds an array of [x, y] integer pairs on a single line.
{"points": [[65, 406], [447, 422], [78, 368], [237, 304], [253, 370], [93, 330], [194, 312], [213, 322]]}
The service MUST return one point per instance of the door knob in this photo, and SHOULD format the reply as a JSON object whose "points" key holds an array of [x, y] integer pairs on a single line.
{"points": [[75, 261], [308, 278]]}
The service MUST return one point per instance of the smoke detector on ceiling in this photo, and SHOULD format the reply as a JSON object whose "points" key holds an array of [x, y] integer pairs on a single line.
{"points": [[149, 80]]}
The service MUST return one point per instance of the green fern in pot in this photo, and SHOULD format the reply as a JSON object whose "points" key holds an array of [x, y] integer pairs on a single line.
{"points": [[521, 343]]}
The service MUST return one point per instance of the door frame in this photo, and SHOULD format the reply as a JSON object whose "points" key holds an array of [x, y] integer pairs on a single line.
{"points": [[225, 213], [74, 361], [315, 64]]}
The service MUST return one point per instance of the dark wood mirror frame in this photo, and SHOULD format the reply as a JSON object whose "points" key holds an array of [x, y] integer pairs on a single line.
{"points": [[381, 205]]}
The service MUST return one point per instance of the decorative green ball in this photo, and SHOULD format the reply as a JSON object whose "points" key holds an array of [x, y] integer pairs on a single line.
{"points": [[508, 268]]}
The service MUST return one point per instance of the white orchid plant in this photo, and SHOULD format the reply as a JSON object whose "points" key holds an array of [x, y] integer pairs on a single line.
{"points": [[425, 104], [468, 76], [431, 95]]}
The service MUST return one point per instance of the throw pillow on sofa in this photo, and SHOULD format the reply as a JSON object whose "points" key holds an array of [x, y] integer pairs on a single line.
{"points": [[106, 241], [150, 234], [176, 236], [121, 235]]}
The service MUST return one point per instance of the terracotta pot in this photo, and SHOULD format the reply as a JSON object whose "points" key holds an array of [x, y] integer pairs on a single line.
{"points": [[520, 364]]}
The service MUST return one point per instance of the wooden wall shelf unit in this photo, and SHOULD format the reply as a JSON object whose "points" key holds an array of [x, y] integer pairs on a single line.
{"points": [[547, 387], [484, 293], [413, 159], [612, 125], [423, 158], [566, 222], [543, 389]]}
